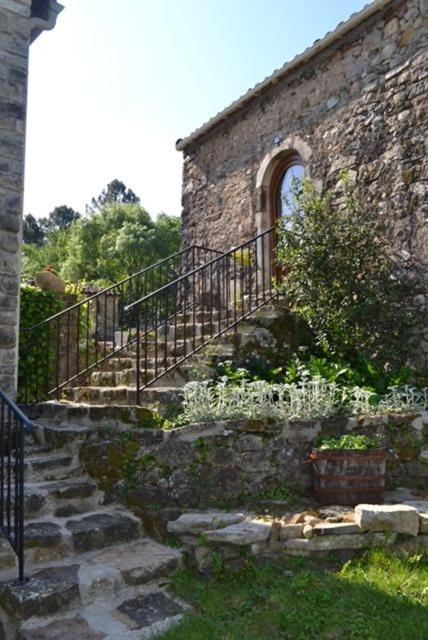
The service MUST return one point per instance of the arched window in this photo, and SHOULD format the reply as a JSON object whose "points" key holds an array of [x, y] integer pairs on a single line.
{"points": [[290, 170]]}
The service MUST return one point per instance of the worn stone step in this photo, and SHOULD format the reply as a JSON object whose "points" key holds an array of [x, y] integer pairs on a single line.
{"points": [[52, 466], [63, 497], [122, 395], [143, 612], [118, 364], [50, 538], [71, 497], [57, 436], [190, 329], [70, 588], [93, 415], [177, 377], [200, 316]]}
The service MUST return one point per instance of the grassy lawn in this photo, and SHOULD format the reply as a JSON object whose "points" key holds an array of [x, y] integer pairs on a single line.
{"points": [[378, 597]]}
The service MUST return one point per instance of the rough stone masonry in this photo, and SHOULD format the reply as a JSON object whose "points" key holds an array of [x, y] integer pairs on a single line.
{"points": [[356, 100], [14, 46], [21, 21]]}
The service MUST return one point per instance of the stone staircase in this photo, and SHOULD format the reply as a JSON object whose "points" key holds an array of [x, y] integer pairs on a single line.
{"points": [[91, 573], [114, 384]]}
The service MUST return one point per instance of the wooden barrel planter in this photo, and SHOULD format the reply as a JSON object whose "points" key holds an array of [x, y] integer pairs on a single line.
{"points": [[348, 477]]}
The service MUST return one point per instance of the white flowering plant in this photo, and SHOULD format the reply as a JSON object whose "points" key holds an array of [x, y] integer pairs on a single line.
{"points": [[206, 401]]}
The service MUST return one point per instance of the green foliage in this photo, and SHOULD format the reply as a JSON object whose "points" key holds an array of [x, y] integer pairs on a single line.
{"points": [[35, 356], [117, 241], [378, 597], [347, 443], [32, 231], [115, 192], [340, 277], [362, 373]]}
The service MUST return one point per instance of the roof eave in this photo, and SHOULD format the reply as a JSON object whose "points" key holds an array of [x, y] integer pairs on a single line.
{"points": [[329, 39]]}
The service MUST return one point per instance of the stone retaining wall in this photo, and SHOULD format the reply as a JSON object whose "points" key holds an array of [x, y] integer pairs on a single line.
{"points": [[224, 464]]}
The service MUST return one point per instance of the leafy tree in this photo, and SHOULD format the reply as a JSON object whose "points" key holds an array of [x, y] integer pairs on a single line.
{"points": [[33, 232], [60, 218], [116, 241], [340, 276], [115, 192]]}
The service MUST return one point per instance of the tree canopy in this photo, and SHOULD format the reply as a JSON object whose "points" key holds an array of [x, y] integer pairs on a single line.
{"points": [[115, 192], [115, 239]]}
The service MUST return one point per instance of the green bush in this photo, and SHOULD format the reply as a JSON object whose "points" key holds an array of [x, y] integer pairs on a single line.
{"points": [[36, 351], [340, 277], [348, 443]]}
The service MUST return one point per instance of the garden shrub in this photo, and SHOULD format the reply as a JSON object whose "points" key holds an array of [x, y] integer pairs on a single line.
{"points": [[35, 356], [341, 277]]}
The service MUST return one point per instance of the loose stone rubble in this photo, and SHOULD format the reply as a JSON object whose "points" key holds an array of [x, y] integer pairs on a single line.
{"points": [[206, 535]]}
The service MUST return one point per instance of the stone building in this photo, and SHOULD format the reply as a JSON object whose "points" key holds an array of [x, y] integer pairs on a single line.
{"points": [[355, 99], [21, 21]]}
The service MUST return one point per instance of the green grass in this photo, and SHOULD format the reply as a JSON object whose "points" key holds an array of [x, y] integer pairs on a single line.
{"points": [[379, 597]]}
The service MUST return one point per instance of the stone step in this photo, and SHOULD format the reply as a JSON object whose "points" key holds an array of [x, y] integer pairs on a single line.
{"points": [[122, 395], [207, 329], [56, 436], [61, 498], [111, 587], [200, 316], [118, 364], [177, 377], [93, 415], [51, 466], [50, 538]]}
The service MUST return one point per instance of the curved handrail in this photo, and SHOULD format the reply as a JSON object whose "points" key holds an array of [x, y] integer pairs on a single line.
{"points": [[13, 423], [16, 410]]}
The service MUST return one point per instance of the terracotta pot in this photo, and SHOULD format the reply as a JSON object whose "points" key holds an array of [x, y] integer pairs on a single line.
{"points": [[48, 281]]}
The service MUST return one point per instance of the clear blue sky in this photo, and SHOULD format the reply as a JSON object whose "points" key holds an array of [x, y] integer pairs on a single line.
{"points": [[118, 81]]}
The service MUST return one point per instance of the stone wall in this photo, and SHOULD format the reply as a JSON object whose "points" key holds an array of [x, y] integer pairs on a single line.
{"points": [[14, 45], [226, 464], [360, 104]]}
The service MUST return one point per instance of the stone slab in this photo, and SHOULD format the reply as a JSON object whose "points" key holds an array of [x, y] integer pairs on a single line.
{"points": [[148, 609], [45, 592], [243, 533], [337, 542], [68, 489], [195, 523], [335, 528], [42, 534], [423, 523], [400, 518], [71, 629], [141, 561], [101, 530], [291, 531]]}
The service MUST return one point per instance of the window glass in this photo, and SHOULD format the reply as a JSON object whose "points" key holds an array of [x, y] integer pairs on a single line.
{"points": [[286, 187]]}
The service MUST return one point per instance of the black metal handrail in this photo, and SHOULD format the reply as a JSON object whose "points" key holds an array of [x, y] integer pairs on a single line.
{"points": [[13, 423], [210, 299], [61, 349]]}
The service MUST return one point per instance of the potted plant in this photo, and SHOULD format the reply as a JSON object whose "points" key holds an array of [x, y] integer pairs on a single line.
{"points": [[48, 280], [348, 470]]}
